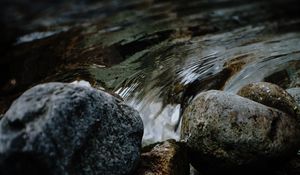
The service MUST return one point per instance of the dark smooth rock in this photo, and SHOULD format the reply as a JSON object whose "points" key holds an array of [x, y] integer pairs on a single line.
{"points": [[164, 158], [228, 132], [288, 77], [281, 78], [61, 128], [270, 95]]}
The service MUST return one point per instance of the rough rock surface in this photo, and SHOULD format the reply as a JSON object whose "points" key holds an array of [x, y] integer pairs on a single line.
{"points": [[164, 158], [225, 131], [270, 95], [295, 93], [60, 128]]}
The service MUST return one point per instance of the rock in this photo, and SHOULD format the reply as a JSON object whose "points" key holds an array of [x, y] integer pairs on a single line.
{"points": [[227, 132], [295, 93], [164, 158], [291, 167], [270, 95], [61, 128], [237, 63], [288, 77], [280, 78]]}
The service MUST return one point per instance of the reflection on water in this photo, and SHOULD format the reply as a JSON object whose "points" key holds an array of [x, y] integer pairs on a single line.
{"points": [[164, 82], [37, 35], [158, 55], [220, 49]]}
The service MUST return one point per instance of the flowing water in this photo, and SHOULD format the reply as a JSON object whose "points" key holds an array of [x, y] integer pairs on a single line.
{"points": [[166, 52], [166, 82], [215, 48]]}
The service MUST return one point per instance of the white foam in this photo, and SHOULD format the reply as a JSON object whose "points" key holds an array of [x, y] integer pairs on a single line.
{"points": [[81, 83]]}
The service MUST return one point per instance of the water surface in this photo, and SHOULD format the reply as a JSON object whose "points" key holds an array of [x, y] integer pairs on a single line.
{"points": [[157, 55]]}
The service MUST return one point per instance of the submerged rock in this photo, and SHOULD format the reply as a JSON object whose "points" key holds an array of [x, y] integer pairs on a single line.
{"points": [[288, 77], [270, 95], [228, 132], [280, 78], [61, 128], [164, 158]]}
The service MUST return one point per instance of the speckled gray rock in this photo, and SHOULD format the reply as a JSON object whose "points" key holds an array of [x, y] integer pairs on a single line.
{"points": [[60, 128], [270, 95], [225, 132], [295, 93]]}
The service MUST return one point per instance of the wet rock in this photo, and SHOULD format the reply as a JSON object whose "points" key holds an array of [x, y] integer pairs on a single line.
{"points": [[270, 95], [61, 128], [214, 82], [295, 93], [288, 77], [228, 132], [281, 78], [237, 63], [164, 158]]}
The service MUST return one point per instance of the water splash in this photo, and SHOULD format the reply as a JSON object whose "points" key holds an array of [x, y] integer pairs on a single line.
{"points": [[160, 88], [159, 55]]}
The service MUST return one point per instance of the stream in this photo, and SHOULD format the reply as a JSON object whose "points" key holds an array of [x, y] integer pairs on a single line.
{"points": [[157, 55]]}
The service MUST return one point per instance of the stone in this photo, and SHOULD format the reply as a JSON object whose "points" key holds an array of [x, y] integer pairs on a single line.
{"points": [[289, 77], [270, 95], [291, 167], [164, 158], [59, 128], [295, 93], [280, 78], [237, 63], [226, 132]]}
